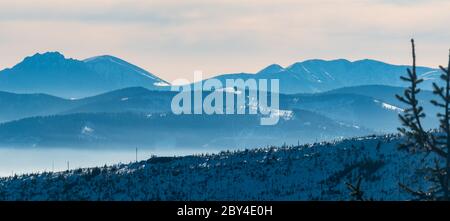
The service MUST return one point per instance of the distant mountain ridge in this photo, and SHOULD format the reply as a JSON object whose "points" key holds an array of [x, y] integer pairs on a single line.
{"points": [[166, 130], [52, 73], [38, 119], [315, 76], [351, 105]]}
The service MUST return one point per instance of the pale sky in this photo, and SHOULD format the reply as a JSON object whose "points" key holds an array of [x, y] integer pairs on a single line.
{"points": [[172, 38]]}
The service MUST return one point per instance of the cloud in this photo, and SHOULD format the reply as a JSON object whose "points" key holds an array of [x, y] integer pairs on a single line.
{"points": [[174, 38]]}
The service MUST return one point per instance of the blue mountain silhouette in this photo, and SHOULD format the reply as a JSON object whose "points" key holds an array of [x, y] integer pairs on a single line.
{"points": [[52, 73]]}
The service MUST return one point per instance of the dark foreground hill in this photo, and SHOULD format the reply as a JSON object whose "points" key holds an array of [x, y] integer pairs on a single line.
{"points": [[308, 172]]}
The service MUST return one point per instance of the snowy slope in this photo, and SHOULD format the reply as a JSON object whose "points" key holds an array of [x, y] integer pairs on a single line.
{"points": [[308, 172], [110, 65]]}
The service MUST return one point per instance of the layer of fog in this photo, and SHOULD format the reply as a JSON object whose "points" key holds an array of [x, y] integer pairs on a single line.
{"points": [[16, 161]]}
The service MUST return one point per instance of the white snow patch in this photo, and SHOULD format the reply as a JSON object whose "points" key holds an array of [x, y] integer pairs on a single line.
{"points": [[134, 69], [87, 130], [389, 106], [161, 84], [285, 114], [304, 68], [229, 90], [329, 75], [125, 65], [295, 76], [430, 75], [349, 125]]}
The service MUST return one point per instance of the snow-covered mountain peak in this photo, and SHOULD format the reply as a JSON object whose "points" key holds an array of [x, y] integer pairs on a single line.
{"points": [[109, 61], [47, 55], [271, 69], [42, 60]]}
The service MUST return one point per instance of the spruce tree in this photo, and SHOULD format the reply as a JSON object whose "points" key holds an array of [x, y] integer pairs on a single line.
{"points": [[434, 143], [356, 192]]}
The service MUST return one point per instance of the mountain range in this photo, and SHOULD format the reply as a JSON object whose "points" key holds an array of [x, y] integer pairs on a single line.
{"points": [[315, 76], [335, 120], [52, 73], [138, 116], [105, 101]]}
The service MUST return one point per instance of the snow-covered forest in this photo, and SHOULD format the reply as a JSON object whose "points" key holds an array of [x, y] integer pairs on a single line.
{"points": [[317, 171]]}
